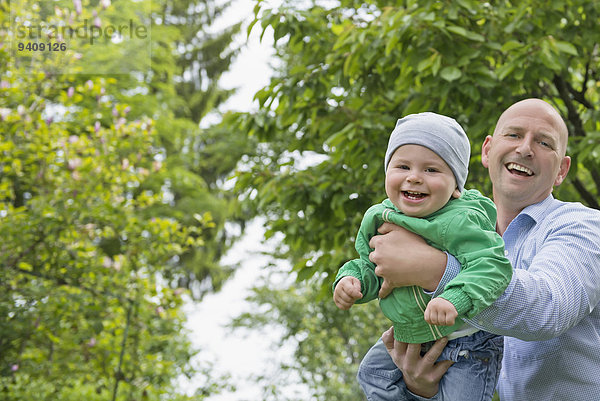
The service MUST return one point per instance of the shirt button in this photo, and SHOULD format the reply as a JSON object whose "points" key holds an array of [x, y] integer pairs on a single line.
{"points": [[505, 252]]}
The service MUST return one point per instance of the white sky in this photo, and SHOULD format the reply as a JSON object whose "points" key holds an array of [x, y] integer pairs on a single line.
{"points": [[240, 353], [251, 70]]}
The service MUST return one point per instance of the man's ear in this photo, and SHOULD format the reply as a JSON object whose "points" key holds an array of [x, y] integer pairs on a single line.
{"points": [[485, 150], [565, 164]]}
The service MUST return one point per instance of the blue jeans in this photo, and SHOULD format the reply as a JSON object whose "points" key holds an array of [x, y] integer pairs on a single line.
{"points": [[472, 377]]}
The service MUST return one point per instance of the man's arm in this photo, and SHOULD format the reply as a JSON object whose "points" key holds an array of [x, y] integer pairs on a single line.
{"points": [[416, 264], [554, 290]]}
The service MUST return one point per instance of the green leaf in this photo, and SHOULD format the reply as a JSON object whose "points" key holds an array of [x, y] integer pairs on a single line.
{"points": [[466, 33], [510, 45], [450, 73], [566, 47]]}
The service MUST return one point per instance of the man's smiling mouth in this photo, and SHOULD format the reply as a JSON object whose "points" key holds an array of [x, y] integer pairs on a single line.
{"points": [[519, 170]]}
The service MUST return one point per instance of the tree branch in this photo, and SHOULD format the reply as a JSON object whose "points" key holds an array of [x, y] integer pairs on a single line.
{"points": [[572, 114], [119, 373], [580, 95], [588, 198]]}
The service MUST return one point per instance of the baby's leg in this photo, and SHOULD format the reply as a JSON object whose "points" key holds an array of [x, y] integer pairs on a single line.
{"points": [[474, 375], [381, 380]]}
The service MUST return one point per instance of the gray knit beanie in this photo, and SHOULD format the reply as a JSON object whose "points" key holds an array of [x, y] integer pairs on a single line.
{"points": [[441, 134]]}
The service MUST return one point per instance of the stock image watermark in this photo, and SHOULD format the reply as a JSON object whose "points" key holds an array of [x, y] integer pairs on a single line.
{"points": [[103, 37]]}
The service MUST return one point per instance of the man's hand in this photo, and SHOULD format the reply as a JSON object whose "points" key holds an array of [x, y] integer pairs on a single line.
{"points": [[441, 312], [346, 292], [421, 374], [404, 258]]}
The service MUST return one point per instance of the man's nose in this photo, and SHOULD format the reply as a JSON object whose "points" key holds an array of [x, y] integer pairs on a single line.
{"points": [[525, 148]]}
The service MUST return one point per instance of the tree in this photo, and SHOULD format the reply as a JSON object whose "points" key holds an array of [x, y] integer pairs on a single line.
{"points": [[350, 69], [188, 61], [329, 343], [86, 310]]}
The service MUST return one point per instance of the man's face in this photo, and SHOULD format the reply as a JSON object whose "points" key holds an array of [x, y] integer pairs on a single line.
{"points": [[526, 155]]}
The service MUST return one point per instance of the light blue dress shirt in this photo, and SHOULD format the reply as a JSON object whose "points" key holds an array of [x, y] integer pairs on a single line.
{"points": [[549, 312]]}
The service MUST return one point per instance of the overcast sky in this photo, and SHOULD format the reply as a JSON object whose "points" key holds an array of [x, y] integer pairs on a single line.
{"points": [[240, 353]]}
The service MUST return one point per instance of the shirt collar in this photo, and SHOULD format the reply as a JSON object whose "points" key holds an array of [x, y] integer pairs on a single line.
{"points": [[537, 211]]}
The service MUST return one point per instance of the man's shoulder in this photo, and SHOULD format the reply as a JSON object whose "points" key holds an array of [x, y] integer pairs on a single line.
{"points": [[558, 207], [570, 214]]}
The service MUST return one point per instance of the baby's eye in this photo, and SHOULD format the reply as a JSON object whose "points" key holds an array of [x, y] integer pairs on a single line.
{"points": [[403, 167], [431, 170]]}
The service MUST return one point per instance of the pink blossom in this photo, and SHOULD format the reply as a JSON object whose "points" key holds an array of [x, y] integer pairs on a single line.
{"points": [[97, 126], [70, 91], [14, 367], [77, 4], [72, 164], [97, 22], [106, 262]]}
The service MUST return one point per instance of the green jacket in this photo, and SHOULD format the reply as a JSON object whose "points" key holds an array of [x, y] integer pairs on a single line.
{"points": [[465, 228]]}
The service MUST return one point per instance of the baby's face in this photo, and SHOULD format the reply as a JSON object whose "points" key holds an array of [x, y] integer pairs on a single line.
{"points": [[418, 181]]}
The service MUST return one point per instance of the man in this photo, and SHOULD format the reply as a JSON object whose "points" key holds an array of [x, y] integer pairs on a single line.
{"points": [[548, 312]]}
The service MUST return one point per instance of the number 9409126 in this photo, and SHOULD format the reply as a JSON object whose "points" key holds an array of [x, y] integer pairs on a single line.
{"points": [[42, 47]]}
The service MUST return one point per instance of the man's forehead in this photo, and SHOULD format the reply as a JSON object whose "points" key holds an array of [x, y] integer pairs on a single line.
{"points": [[542, 131]]}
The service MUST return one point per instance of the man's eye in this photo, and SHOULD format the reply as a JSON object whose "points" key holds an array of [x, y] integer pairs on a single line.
{"points": [[545, 144]]}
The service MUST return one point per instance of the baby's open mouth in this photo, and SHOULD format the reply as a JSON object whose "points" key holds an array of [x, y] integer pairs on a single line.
{"points": [[517, 169], [414, 195]]}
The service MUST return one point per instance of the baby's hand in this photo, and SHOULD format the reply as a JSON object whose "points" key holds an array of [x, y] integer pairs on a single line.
{"points": [[346, 292], [440, 312]]}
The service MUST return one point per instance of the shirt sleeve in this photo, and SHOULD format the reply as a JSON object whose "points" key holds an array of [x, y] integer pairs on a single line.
{"points": [[452, 270], [557, 289]]}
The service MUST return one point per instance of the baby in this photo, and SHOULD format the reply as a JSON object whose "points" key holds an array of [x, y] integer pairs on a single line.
{"points": [[426, 166]]}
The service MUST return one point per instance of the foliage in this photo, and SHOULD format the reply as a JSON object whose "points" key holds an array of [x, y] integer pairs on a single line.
{"points": [[349, 71], [188, 61], [87, 305], [330, 343], [81, 290]]}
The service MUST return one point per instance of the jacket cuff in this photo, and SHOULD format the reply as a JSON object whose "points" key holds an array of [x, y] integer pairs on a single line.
{"points": [[460, 300]]}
